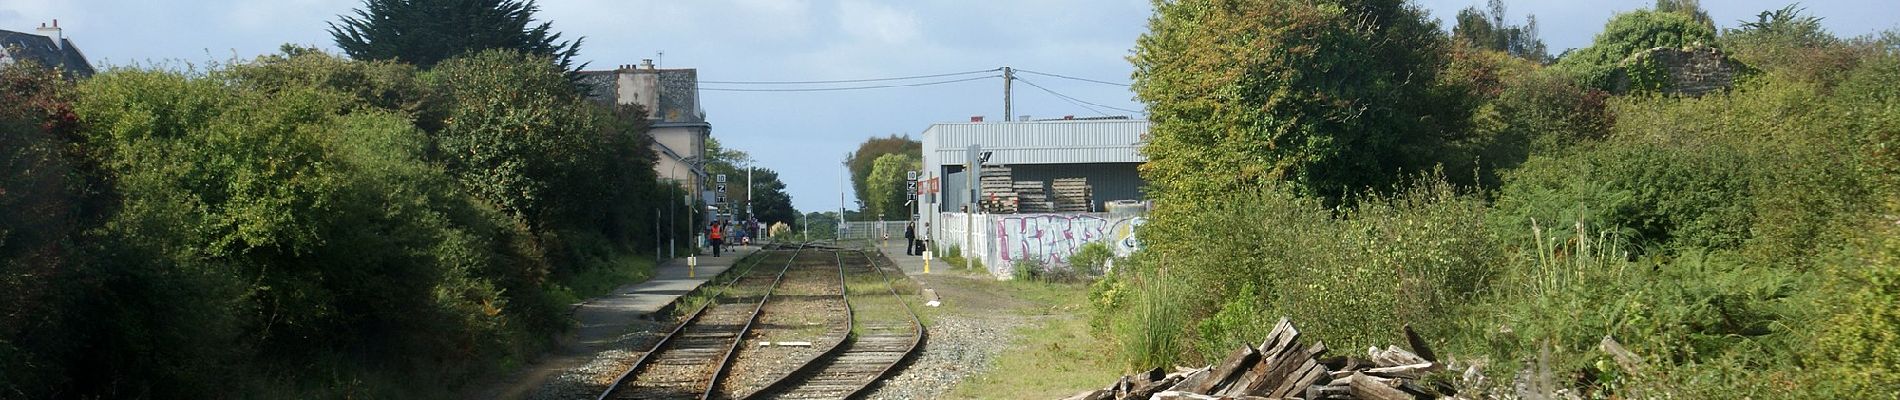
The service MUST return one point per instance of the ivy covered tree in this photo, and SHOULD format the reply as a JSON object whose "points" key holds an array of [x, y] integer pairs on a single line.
{"points": [[1628, 33], [426, 32], [1334, 96]]}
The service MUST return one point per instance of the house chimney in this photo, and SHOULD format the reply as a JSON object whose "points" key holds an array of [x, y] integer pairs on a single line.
{"points": [[976, 118], [59, 38], [647, 62]]}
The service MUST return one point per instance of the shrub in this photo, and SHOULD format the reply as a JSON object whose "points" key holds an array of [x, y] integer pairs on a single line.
{"points": [[1654, 196], [1151, 328], [1029, 270], [49, 198], [1091, 257], [1857, 335], [1691, 315], [517, 135], [1351, 276]]}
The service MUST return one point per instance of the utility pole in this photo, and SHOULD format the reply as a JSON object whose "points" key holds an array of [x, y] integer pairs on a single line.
{"points": [[970, 207], [839, 232], [1009, 75], [748, 195]]}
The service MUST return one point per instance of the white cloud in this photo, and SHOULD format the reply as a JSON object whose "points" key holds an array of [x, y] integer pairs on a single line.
{"points": [[879, 23]]}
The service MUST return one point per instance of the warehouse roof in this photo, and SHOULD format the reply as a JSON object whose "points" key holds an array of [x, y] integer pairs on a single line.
{"points": [[1038, 142]]}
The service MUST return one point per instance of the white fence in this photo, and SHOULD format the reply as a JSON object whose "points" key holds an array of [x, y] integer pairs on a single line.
{"points": [[871, 230], [1000, 240]]}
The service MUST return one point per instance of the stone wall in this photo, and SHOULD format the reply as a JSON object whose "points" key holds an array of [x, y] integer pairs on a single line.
{"points": [[1689, 71]]}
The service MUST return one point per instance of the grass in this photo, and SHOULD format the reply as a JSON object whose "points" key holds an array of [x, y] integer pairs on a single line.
{"points": [[602, 277], [1054, 357]]}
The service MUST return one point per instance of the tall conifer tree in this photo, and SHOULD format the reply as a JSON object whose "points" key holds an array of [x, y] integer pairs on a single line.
{"points": [[425, 32]]}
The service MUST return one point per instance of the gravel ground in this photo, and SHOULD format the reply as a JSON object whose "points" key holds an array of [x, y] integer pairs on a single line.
{"points": [[958, 346], [589, 380]]}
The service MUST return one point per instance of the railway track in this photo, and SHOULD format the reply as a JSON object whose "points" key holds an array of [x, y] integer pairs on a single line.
{"points": [[807, 315], [876, 332], [884, 333], [690, 361]]}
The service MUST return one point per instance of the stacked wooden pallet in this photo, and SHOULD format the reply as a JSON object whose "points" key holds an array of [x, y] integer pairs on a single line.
{"points": [[1031, 198], [999, 191], [1073, 195]]}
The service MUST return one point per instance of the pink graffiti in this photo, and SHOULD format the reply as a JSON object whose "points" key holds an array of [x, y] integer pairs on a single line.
{"points": [[1047, 238]]}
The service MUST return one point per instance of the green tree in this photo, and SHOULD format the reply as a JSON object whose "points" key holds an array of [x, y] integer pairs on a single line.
{"points": [[770, 203], [49, 197], [860, 162], [427, 32], [1790, 41], [886, 185], [1688, 8], [1487, 29], [518, 135], [1334, 96]]}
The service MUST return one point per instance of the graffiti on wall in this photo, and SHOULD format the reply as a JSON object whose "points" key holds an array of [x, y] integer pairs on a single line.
{"points": [[1050, 238], [1125, 234]]}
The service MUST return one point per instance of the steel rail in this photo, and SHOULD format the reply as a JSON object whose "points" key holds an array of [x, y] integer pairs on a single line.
{"points": [[645, 359]]}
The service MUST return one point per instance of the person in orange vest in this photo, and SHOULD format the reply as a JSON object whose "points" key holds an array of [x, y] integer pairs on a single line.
{"points": [[716, 238]]}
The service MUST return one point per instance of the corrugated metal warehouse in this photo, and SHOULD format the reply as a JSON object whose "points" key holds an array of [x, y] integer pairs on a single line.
{"points": [[1106, 152]]}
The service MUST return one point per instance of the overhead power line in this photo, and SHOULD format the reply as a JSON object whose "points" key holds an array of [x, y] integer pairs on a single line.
{"points": [[1073, 78], [833, 89], [1076, 101], [901, 78]]}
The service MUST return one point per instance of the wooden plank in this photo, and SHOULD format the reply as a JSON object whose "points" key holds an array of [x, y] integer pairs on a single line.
{"points": [[1309, 372], [1411, 371], [1370, 388], [1393, 356], [1235, 363]]}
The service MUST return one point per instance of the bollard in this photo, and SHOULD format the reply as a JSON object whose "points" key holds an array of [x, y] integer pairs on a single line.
{"points": [[926, 262], [692, 263]]}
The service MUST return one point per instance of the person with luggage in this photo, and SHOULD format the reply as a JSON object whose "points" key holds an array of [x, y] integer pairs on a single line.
{"points": [[910, 238]]}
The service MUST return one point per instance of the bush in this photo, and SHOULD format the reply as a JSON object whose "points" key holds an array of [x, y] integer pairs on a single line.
{"points": [[1029, 270], [287, 228], [1857, 335], [1351, 277], [1653, 196], [1091, 258], [1150, 329], [1693, 315], [49, 198]]}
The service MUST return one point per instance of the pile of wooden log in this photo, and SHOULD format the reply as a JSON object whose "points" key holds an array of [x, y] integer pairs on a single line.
{"points": [[1283, 368], [1073, 195]]}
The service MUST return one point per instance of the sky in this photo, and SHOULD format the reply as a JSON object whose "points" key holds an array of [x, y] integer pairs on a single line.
{"points": [[806, 135]]}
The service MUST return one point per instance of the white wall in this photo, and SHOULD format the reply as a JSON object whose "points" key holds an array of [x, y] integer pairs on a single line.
{"points": [[1003, 239]]}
